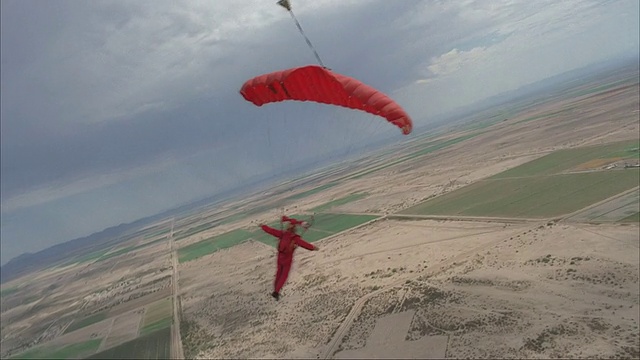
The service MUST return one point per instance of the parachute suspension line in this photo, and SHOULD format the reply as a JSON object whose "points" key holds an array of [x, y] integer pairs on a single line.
{"points": [[271, 150], [287, 5], [281, 216]]}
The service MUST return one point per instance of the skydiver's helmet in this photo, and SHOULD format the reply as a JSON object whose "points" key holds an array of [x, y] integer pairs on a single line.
{"points": [[291, 226]]}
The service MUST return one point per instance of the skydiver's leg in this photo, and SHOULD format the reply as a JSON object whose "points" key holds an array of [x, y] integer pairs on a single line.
{"points": [[283, 269], [278, 274], [275, 292]]}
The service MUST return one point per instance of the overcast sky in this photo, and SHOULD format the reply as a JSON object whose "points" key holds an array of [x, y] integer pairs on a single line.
{"points": [[115, 110]]}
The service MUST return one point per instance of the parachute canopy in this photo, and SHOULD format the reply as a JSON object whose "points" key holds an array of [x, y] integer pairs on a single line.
{"points": [[285, 4], [319, 84]]}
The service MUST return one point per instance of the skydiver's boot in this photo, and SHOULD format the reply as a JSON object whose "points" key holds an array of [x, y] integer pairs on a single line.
{"points": [[275, 295]]}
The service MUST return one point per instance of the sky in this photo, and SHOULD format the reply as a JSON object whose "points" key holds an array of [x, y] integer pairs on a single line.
{"points": [[116, 110]]}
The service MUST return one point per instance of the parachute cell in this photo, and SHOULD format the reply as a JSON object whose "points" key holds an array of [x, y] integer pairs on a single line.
{"points": [[318, 84]]}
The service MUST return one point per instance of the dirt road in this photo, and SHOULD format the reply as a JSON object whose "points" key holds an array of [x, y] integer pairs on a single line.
{"points": [[176, 340]]}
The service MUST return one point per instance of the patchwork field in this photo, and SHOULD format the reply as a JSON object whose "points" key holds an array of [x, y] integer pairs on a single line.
{"points": [[542, 188], [158, 315], [213, 244], [123, 329], [78, 324], [73, 351], [623, 208], [155, 345], [581, 158]]}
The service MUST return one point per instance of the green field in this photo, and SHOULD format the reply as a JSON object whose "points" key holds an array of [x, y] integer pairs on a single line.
{"points": [[341, 201], [544, 115], [429, 148], [182, 234], [213, 244], [87, 257], [564, 160], [157, 316], [89, 320], [157, 233], [311, 191], [156, 345], [600, 88], [530, 197], [73, 351], [324, 225], [632, 218], [8, 291], [130, 248]]}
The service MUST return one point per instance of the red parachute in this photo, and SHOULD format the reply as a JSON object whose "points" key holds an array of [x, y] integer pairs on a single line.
{"points": [[319, 84]]}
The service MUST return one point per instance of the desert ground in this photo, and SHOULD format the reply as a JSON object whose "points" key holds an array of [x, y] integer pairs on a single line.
{"points": [[398, 286]]}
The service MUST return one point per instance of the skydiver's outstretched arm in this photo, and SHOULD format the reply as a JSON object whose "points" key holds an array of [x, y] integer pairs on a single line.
{"points": [[271, 231], [305, 244]]}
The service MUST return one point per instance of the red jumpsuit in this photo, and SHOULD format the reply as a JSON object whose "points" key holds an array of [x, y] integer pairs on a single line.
{"points": [[288, 243]]}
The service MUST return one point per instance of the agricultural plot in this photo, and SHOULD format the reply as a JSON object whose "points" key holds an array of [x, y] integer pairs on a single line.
{"points": [[573, 159], [324, 225], [344, 200], [157, 233], [530, 197], [183, 234], [434, 146], [8, 291], [157, 316], [632, 218], [89, 320], [73, 351], [624, 208], [130, 248], [213, 244], [124, 328], [156, 345], [311, 191], [87, 257], [549, 186]]}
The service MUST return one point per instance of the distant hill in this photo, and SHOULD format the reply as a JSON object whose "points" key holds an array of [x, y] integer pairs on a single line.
{"points": [[30, 262]]}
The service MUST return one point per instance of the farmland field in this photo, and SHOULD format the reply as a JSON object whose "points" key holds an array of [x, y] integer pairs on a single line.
{"points": [[564, 160], [432, 146], [123, 329], [155, 345], [129, 249], [311, 191], [541, 188], [213, 244], [72, 351], [623, 208], [341, 201], [8, 291], [157, 316], [632, 218], [183, 234], [530, 197], [92, 319]]}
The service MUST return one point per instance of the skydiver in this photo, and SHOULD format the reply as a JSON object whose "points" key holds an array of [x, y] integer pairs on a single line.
{"points": [[289, 240]]}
